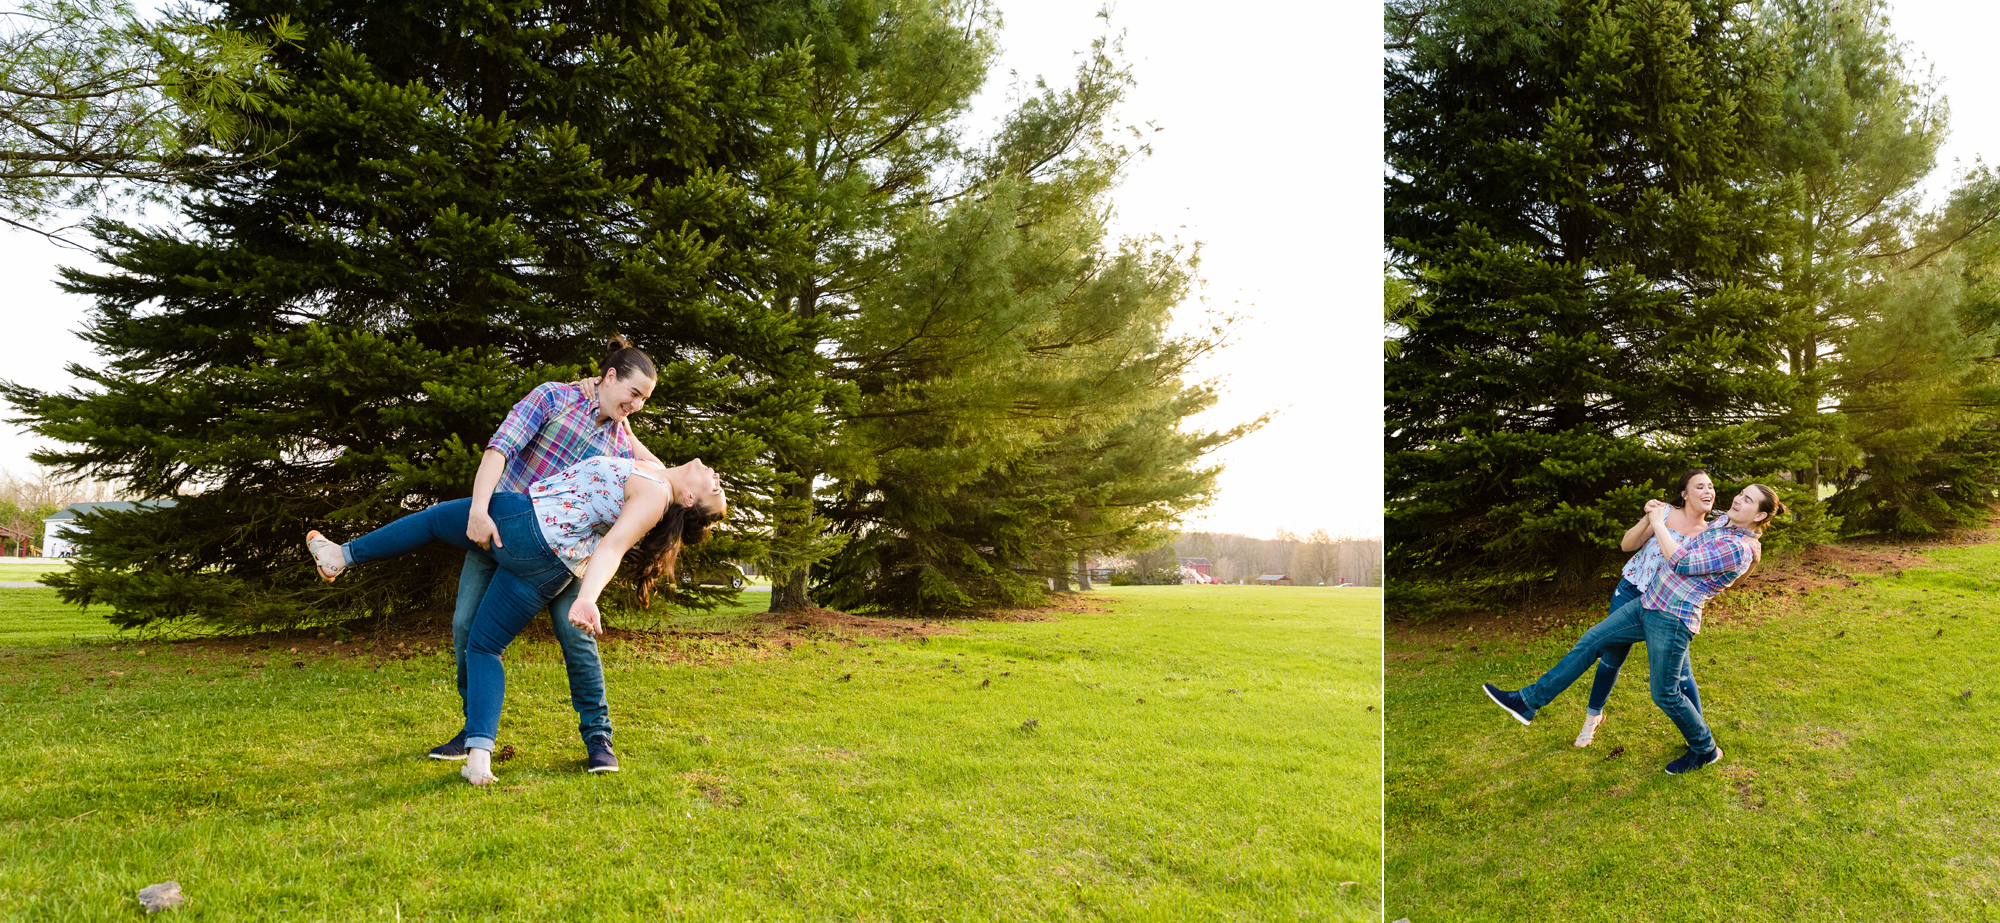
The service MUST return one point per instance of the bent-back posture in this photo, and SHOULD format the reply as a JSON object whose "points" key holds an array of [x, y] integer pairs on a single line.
{"points": [[574, 526], [556, 425]]}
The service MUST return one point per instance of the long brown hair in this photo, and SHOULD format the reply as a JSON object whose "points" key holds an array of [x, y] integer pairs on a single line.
{"points": [[661, 547]]}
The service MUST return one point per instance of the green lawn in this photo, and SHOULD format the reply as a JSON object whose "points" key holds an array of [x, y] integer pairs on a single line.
{"points": [[36, 616], [1196, 753], [31, 569], [1860, 779]]}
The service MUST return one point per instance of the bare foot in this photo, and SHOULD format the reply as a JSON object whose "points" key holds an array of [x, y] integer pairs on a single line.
{"points": [[477, 778]]}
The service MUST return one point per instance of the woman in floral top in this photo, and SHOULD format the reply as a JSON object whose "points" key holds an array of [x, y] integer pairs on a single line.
{"points": [[1667, 617], [1693, 500], [576, 524]]}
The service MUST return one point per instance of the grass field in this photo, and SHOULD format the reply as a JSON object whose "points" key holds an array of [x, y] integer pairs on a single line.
{"points": [[1194, 753], [1860, 779], [16, 569]]}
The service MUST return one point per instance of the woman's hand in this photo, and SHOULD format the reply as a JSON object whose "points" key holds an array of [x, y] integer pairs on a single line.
{"points": [[1656, 510], [480, 528], [583, 614], [589, 386]]}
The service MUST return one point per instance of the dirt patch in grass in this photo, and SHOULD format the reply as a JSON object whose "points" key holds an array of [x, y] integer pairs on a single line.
{"points": [[816, 622], [1742, 782], [1059, 605], [1778, 585], [1786, 581], [763, 633]]}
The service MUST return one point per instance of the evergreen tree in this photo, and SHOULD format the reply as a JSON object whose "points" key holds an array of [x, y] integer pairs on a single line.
{"points": [[96, 102], [1855, 142], [966, 305], [1573, 184], [466, 199], [1031, 415], [1920, 385]]}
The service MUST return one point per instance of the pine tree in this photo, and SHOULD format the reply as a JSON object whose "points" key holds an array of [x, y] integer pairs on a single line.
{"points": [[1919, 388], [465, 200], [1031, 415], [1856, 140], [1574, 187], [1884, 336], [965, 298]]}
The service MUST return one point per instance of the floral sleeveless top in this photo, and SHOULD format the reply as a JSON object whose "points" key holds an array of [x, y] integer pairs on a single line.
{"points": [[1645, 563], [577, 505]]}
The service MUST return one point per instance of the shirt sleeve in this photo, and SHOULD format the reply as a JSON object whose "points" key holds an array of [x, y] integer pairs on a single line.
{"points": [[524, 421], [1713, 557]]}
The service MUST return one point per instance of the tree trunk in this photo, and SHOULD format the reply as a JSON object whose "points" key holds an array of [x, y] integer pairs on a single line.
{"points": [[1082, 572], [790, 596]]}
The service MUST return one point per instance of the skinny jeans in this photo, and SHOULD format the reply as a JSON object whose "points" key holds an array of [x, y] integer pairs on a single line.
{"points": [[1667, 639], [527, 577], [579, 647], [1611, 658]]}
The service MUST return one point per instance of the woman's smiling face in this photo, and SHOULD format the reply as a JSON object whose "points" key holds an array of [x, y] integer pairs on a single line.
{"points": [[1699, 495], [618, 398]]}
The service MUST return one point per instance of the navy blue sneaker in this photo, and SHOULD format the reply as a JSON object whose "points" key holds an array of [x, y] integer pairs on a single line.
{"points": [[1691, 761], [601, 757], [453, 749], [1510, 702]]}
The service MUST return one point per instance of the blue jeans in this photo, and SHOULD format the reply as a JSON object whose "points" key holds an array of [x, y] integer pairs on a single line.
{"points": [[579, 647], [528, 576], [1666, 640], [1611, 658]]}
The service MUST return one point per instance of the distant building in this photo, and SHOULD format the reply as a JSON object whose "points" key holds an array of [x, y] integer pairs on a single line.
{"points": [[1200, 566], [1274, 580], [54, 545]]}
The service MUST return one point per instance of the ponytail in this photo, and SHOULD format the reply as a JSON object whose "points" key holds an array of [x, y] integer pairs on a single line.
{"points": [[628, 360]]}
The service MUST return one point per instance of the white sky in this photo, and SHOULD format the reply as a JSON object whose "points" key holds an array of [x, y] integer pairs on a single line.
{"points": [[1271, 158]]}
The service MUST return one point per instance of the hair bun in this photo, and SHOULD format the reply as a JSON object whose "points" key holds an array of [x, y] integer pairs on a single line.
{"points": [[616, 343]]}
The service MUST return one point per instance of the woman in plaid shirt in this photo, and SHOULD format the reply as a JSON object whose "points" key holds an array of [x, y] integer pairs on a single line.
{"points": [[1667, 617]]}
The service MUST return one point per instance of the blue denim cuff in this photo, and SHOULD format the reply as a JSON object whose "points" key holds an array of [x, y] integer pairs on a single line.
{"points": [[479, 743]]}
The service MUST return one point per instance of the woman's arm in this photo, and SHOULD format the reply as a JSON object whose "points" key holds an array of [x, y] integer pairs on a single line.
{"points": [[1656, 519], [478, 526], [1637, 535], [644, 502]]}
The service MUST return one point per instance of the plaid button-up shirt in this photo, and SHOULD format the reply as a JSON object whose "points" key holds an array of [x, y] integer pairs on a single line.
{"points": [[1701, 568], [554, 427]]}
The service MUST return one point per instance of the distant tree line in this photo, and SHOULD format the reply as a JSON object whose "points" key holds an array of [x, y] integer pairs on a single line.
{"points": [[1630, 237], [1318, 557]]}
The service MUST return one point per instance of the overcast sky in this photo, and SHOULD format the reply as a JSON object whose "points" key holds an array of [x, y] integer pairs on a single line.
{"points": [[1270, 158]]}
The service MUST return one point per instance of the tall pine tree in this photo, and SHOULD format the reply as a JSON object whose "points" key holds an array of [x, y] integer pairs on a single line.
{"points": [[463, 200], [968, 303], [1573, 184]]}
